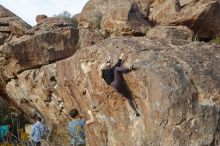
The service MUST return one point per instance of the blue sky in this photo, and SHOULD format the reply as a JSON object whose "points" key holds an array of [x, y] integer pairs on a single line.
{"points": [[28, 9]]}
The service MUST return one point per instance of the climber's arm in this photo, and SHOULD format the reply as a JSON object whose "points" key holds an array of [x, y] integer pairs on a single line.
{"points": [[120, 61], [91, 120]]}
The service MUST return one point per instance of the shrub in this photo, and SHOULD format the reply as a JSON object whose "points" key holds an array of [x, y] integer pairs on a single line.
{"points": [[216, 40]]}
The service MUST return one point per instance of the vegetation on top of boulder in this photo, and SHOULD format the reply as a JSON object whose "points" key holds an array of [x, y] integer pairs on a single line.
{"points": [[64, 14]]}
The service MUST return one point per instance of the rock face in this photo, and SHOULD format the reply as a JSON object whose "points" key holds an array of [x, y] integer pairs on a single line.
{"points": [[43, 47], [53, 40], [10, 24], [40, 18], [89, 37], [137, 16], [202, 16], [3, 104], [176, 88], [115, 16], [171, 32], [55, 66]]}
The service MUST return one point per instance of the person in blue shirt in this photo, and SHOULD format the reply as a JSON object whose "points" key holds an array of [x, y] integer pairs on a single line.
{"points": [[76, 127], [37, 132], [4, 131]]}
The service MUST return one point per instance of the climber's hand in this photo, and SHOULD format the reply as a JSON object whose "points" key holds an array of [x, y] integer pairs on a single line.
{"points": [[122, 56], [89, 112]]}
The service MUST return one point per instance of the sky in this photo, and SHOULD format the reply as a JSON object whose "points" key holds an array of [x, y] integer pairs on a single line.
{"points": [[29, 9]]}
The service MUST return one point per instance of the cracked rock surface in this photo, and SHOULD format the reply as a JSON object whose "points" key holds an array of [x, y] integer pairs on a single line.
{"points": [[175, 87], [55, 66]]}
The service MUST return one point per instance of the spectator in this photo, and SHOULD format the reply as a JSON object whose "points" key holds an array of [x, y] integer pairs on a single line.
{"points": [[37, 132]]}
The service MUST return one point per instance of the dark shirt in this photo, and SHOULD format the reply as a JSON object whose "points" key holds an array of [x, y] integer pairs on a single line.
{"points": [[108, 74]]}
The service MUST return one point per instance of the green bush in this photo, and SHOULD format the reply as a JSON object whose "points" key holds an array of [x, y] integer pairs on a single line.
{"points": [[64, 14], [10, 115], [216, 40]]}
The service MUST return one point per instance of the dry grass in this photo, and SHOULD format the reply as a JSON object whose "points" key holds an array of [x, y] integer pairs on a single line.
{"points": [[216, 40], [60, 136]]}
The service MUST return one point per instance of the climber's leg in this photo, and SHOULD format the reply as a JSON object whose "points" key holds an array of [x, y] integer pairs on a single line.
{"points": [[118, 64], [131, 103], [121, 88], [118, 80], [127, 94]]}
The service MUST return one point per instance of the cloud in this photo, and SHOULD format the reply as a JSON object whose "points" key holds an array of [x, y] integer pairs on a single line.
{"points": [[29, 9]]}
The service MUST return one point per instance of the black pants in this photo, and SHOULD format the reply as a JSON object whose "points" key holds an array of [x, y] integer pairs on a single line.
{"points": [[117, 71], [118, 79], [119, 85]]}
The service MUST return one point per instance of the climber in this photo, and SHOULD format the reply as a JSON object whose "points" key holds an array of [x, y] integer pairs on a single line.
{"points": [[76, 127], [37, 132], [113, 77]]}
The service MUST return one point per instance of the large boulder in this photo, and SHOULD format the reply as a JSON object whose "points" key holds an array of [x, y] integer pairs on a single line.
{"points": [[10, 24], [51, 24], [171, 32], [201, 16], [40, 18], [176, 88], [115, 16], [55, 66], [85, 37], [3, 37], [5, 12], [49, 42], [52, 40], [89, 37]]}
